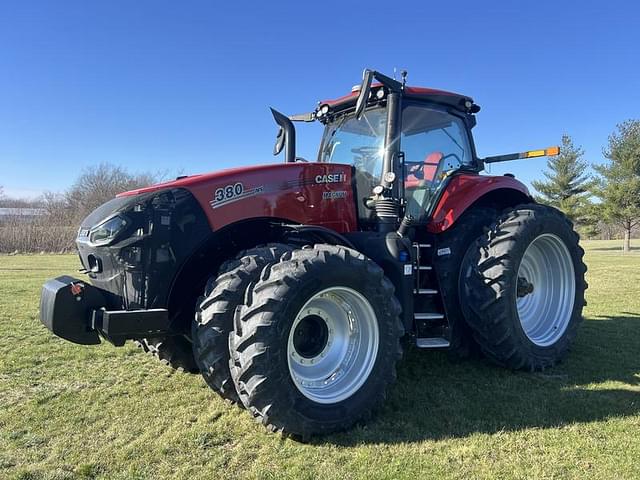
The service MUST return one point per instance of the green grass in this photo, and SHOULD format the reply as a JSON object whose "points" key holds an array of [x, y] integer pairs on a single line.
{"points": [[68, 411]]}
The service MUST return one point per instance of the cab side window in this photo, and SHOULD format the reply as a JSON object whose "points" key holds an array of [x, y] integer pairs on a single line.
{"points": [[434, 143], [426, 131]]}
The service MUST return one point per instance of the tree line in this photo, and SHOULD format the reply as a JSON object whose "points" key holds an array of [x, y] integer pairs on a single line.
{"points": [[610, 196], [55, 226]]}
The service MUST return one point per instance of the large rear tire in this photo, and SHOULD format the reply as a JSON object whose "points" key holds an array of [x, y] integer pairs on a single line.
{"points": [[316, 344], [214, 314], [456, 240], [522, 285]]}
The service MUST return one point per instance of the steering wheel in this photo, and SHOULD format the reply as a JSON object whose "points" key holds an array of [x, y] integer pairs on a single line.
{"points": [[420, 168], [365, 151], [440, 169], [366, 158]]}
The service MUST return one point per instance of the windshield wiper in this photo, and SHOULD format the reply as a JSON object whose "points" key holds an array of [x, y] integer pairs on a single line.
{"points": [[454, 141], [329, 145]]}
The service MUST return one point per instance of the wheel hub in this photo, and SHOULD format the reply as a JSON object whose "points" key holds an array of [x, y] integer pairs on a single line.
{"points": [[310, 336], [524, 287], [333, 345], [545, 311]]}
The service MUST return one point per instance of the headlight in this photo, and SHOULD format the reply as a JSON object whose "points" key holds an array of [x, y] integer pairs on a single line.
{"points": [[107, 231]]}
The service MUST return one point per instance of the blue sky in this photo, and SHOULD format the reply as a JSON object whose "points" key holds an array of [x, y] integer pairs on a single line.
{"points": [[184, 86]]}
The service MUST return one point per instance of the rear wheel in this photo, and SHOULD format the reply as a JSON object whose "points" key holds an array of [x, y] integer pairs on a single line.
{"points": [[447, 267], [214, 314], [523, 288], [316, 344]]}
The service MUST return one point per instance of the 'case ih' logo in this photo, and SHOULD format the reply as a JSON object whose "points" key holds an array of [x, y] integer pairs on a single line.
{"points": [[331, 178]]}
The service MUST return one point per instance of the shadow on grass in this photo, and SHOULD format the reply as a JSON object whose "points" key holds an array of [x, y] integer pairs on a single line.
{"points": [[436, 399]]}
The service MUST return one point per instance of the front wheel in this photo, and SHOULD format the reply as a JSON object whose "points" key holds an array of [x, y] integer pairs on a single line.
{"points": [[174, 352], [214, 314], [316, 344], [523, 288]]}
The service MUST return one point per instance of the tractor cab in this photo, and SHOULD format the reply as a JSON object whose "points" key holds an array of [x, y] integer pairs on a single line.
{"points": [[433, 144], [403, 143]]}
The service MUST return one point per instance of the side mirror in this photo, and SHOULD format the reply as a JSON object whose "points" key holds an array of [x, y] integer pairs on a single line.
{"points": [[365, 89], [286, 137], [280, 137]]}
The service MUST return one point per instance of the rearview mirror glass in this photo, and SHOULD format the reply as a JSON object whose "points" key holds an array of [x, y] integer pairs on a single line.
{"points": [[280, 137]]}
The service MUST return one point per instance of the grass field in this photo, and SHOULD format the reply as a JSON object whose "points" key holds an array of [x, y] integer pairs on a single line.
{"points": [[68, 411]]}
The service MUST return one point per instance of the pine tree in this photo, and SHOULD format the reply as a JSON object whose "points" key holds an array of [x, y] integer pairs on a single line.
{"points": [[618, 183], [567, 185]]}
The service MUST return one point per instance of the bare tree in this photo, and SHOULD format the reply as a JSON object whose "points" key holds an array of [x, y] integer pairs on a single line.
{"points": [[55, 228], [99, 184]]}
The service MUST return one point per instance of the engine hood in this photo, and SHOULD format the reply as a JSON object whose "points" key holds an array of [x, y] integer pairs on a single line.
{"points": [[302, 193], [213, 177]]}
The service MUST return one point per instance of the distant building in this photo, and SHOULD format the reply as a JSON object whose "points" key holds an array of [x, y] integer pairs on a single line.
{"points": [[20, 212]]}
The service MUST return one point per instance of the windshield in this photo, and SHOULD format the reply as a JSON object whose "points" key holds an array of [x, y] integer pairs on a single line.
{"points": [[433, 143], [357, 142]]}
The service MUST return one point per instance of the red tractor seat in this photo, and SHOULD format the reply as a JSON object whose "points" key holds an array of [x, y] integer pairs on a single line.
{"points": [[423, 172]]}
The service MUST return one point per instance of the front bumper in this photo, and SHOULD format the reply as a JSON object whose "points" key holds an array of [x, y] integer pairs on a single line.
{"points": [[75, 310]]}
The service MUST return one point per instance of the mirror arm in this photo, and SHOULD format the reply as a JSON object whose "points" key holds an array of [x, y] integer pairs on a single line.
{"points": [[368, 76], [390, 83], [303, 117]]}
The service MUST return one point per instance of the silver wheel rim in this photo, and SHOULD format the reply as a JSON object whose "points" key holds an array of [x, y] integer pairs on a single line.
{"points": [[338, 359], [545, 290]]}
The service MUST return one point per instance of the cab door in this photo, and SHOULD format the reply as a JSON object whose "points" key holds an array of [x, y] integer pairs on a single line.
{"points": [[435, 144]]}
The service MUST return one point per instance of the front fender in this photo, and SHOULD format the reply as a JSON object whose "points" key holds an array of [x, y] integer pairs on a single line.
{"points": [[465, 190]]}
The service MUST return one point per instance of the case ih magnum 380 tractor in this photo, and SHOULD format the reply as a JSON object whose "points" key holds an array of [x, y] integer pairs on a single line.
{"points": [[290, 286]]}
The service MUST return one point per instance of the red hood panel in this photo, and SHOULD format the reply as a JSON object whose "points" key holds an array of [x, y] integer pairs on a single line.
{"points": [[303, 193]]}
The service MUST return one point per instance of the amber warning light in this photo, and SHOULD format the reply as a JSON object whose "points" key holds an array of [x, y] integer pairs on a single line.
{"points": [[545, 152]]}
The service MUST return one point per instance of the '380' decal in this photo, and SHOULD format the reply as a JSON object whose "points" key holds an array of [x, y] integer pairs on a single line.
{"points": [[232, 193]]}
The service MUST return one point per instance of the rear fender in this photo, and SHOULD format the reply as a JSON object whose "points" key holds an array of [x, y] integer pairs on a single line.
{"points": [[464, 191]]}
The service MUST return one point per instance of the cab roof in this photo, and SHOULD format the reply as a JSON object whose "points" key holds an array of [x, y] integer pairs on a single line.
{"points": [[455, 100]]}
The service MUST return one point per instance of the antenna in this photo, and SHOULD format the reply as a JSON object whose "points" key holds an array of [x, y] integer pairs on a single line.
{"points": [[404, 74]]}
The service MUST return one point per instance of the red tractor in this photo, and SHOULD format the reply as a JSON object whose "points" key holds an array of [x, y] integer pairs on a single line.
{"points": [[290, 286]]}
